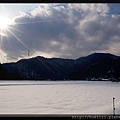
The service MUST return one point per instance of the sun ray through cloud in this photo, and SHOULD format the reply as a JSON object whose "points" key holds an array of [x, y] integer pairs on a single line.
{"points": [[39, 21], [19, 40], [8, 40], [15, 29]]}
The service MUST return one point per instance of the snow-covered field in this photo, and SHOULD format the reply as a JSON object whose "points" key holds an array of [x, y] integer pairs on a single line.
{"points": [[59, 97]]}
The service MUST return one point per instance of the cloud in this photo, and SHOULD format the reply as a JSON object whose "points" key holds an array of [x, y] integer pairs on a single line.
{"points": [[65, 30]]}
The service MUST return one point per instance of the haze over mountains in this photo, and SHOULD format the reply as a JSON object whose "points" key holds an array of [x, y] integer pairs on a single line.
{"points": [[96, 65]]}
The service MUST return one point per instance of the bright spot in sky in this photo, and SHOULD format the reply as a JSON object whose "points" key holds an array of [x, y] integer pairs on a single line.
{"points": [[4, 24]]}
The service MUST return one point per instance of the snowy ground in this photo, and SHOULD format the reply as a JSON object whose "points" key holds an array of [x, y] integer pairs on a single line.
{"points": [[59, 97]]}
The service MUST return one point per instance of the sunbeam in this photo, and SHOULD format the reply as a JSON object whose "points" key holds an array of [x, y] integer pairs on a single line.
{"points": [[34, 21], [19, 39], [28, 49], [8, 40], [15, 29]]}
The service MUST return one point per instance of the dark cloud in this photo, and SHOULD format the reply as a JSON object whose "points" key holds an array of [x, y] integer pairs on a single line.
{"points": [[67, 31]]}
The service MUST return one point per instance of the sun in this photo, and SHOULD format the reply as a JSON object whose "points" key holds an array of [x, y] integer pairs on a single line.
{"points": [[4, 23]]}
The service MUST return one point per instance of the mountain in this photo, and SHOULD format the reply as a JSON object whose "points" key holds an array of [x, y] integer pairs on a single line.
{"points": [[41, 68], [2, 72], [5, 74], [96, 65]]}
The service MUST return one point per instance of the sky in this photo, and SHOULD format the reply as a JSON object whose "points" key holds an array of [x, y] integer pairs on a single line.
{"points": [[69, 30]]}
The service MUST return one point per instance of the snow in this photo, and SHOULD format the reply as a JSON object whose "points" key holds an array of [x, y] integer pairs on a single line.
{"points": [[59, 97]]}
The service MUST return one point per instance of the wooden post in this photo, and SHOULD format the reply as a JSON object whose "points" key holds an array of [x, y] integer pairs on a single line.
{"points": [[113, 106]]}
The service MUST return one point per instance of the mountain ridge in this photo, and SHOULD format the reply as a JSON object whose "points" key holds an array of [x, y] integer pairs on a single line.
{"points": [[96, 65]]}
